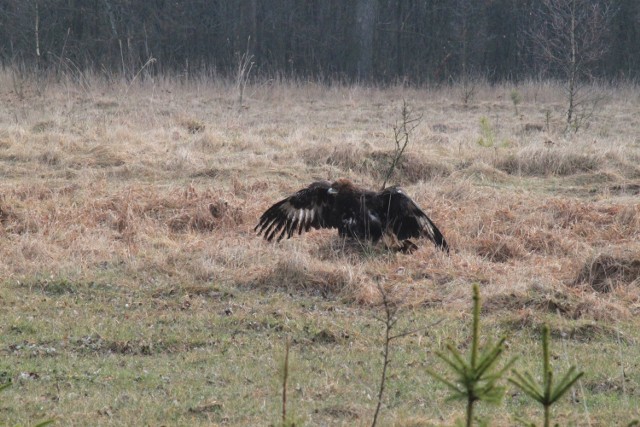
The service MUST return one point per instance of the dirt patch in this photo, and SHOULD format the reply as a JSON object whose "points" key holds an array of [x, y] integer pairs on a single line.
{"points": [[327, 336], [606, 272], [443, 128], [205, 291], [552, 302], [632, 189], [562, 301], [611, 385], [587, 332], [96, 344], [212, 407], [338, 249], [296, 275], [57, 287], [31, 349], [531, 128], [339, 412]]}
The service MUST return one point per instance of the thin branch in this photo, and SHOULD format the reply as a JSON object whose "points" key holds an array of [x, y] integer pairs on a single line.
{"points": [[401, 132], [415, 331], [389, 321], [285, 377]]}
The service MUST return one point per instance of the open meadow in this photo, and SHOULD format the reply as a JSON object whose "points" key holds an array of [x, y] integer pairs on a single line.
{"points": [[134, 291]]}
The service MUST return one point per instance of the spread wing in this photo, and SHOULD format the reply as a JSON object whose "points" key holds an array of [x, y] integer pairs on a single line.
{"points": [[309, 207], [407, 220]]}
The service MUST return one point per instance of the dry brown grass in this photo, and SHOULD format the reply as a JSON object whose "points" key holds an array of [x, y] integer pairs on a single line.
{"points": [[93, 175], [606, 271], [159, 187]]}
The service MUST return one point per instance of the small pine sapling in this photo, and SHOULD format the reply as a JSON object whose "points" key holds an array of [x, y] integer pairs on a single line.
{"points": [[475, 378], [546, 393]]}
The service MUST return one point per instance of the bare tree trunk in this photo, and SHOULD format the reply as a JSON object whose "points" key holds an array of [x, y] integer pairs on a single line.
{"points": [[253, 21], [37, 32], [399, 30], [572, 64], [114, 32], [570, 37], [365, 20]]}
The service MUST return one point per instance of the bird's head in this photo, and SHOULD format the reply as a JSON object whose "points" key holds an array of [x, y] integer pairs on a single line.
{"points": [[341, 185]]}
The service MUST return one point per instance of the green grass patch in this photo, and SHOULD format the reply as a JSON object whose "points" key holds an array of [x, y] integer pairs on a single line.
{"points": [[217, 360]]}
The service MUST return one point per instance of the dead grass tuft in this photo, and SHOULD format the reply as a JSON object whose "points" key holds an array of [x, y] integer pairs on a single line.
{"points": [[532, 128], [499, 248], [351, 159], [50, 158], [202, 216], [6, 215], [606, 272], [411, 169], [414, 168], [15, 221], [443, 128], [629, 217], [631, 189], [540, 161], [43, 126], [348, 158], [192, 126], [98, 156], [482, 172], [181, 210], [594, 222]]}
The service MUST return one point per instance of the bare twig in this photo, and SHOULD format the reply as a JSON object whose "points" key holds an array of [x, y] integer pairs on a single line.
{"points": [[390, 319], [285, 377], [245, 65], [401, 132], [146, 64]]}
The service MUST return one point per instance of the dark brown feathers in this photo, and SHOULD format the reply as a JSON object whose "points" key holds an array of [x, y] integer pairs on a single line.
{"points": [[355, 212], [305, 209]]}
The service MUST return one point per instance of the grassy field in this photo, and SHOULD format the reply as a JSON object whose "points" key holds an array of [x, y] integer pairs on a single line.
{"points": [[133, 290]]}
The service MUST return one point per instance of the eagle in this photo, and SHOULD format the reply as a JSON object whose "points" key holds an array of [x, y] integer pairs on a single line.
{"points": [[357, 213]]}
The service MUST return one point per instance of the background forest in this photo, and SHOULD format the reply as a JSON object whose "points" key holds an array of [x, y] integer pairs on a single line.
{"points": [[417, 41]]}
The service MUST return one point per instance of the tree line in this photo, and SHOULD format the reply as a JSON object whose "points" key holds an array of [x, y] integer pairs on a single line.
{"points": [[416, 41]]}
